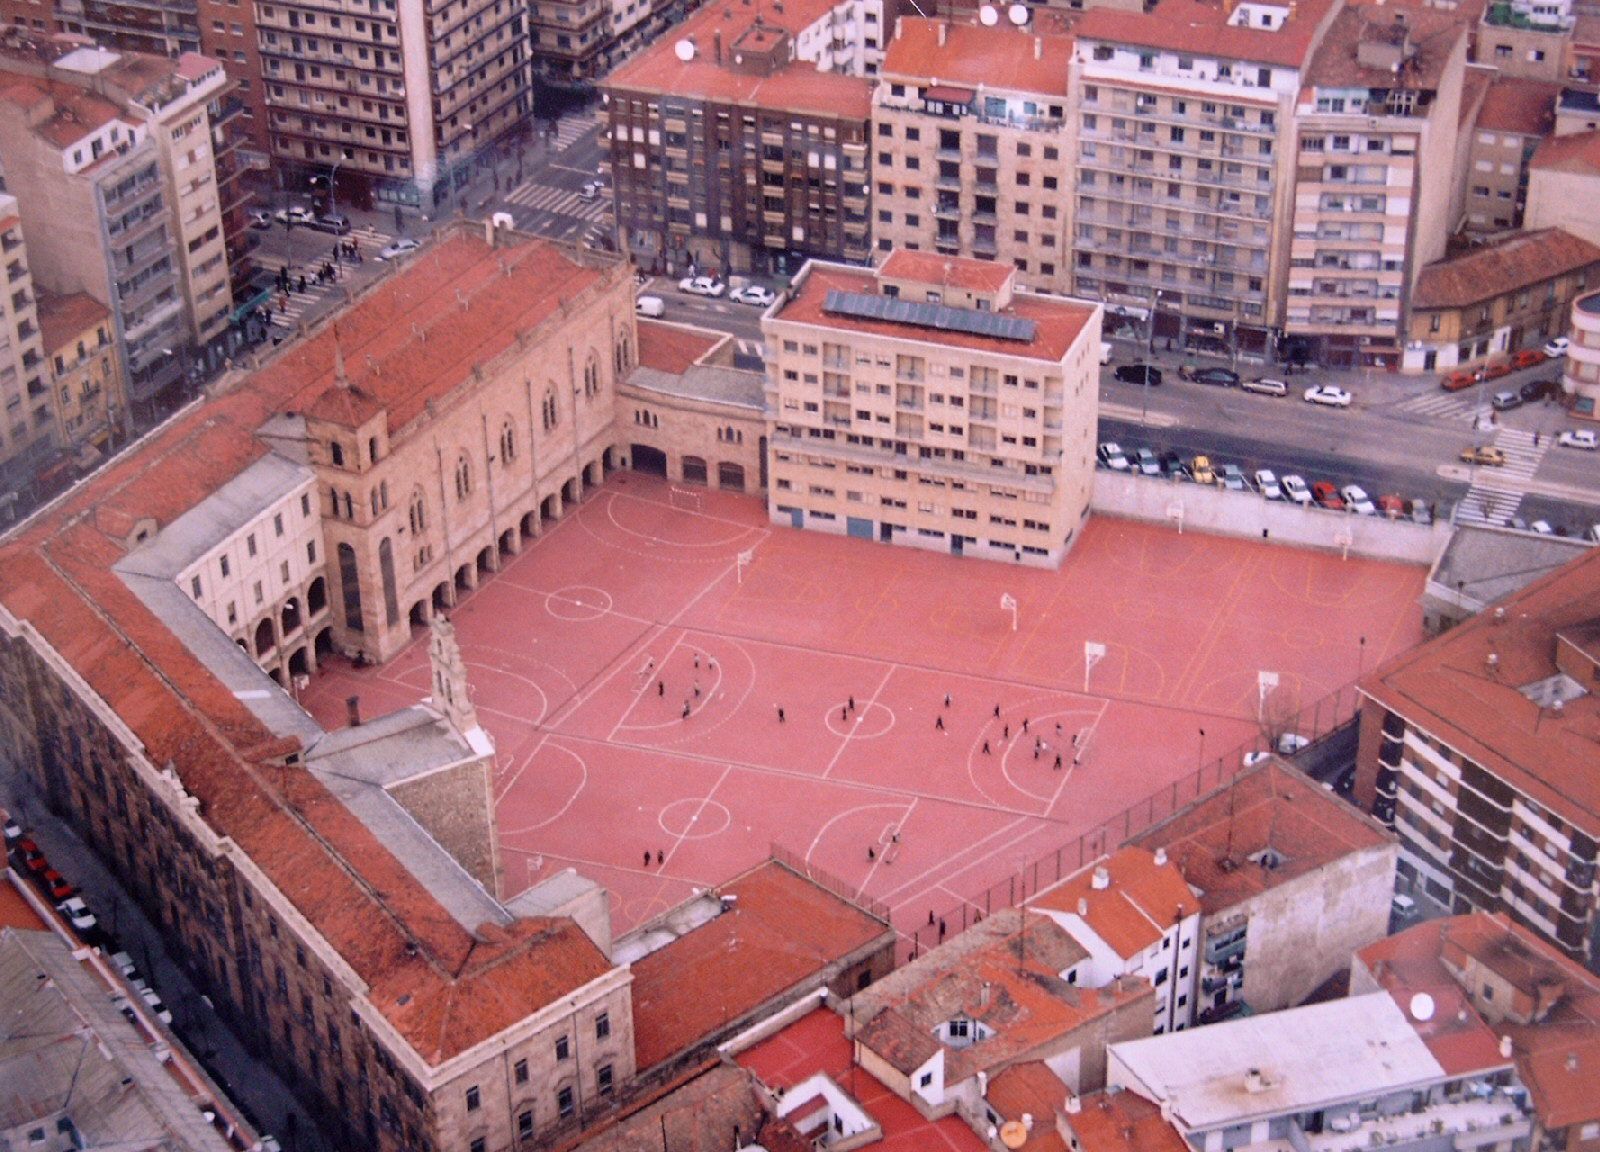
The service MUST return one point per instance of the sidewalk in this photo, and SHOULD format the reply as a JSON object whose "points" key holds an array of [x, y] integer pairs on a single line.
{"points": [[251, 1084]]}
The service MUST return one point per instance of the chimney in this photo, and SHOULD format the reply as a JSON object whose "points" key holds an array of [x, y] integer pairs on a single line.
{"points": [[1572, 1061], [1074, 1104], [983, 995], [716, 46], [944, 30], [1254, 1081], [1161, 857], [1027, 1117], [1083, 905], [352, 710], [1505, 1047], [1102, 877], [899, 22], [1038, 47]]}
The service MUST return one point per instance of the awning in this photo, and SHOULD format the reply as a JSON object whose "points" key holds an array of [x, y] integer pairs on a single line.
{"points": [[942, 94]]}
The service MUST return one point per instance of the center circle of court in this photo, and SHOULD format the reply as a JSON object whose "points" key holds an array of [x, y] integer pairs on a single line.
{"points": [[695, 818], [1300, 636], [578, 602], [865, 723]]}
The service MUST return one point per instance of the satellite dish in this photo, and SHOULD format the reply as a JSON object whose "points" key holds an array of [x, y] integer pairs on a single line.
{"points": [[989, 15], [1013, 1134], [684, 50], [1017, 14], [1422, 1007]]}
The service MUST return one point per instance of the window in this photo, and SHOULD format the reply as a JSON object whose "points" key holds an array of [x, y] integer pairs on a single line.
{"points": [[564, 1102], [602, 1025], [563, 1048], [473, 1099], [548, 409], [519, 1072], [524, 1124], [463, 477], [508, 443], [336, 454], [222, 563], [479, 1144], [194, 586], [602, 1079]]}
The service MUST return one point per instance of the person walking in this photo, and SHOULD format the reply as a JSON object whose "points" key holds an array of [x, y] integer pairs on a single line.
{"points": [[938, 722], [780, 713]]}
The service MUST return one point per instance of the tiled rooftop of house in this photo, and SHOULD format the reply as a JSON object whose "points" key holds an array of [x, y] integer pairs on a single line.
{"points": [[781, 932], [1519, 261], [999, 58], [816, 1043], [672, 348], [1576, 152], [1193, 26], [62, 319], [444, 988], [1140, 901], [1556, 1056], [1029, 1089], [1218, 842], [1057, 322], [1119, 1121], [947, 272], [1431, 34], [1522, 106], [714, 1110], [1449, 688]]}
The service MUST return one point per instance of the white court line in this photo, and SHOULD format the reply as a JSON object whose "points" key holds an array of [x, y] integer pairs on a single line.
{"points": [[704, 800], [873, 869], [849, 734], [583, 782], [1004, 830], [1070, 768]]}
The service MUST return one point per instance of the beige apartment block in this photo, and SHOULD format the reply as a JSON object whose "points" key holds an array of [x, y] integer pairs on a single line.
{"points": [[927, 403], [26, 432], [1515, 116], [971, 147], [402, 96], [1563, 181], [1183, 173], [85, 374], [1580, 378], [1374, 181]]}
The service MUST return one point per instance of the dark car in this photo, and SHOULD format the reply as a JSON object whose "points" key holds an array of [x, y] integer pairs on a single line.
{"points": [[1172, 465], [1220, 377], [1138, 374], [1539, 390]]}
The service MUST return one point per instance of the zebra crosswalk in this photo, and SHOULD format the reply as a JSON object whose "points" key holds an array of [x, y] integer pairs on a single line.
{"points": [[1463, 406], [547, 198], [569, 129], [1496, 491]]}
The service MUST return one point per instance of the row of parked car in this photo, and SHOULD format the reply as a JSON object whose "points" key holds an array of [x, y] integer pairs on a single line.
{"points": [[29, 860], [1327, 395], [1464, 378], [1264, 481]]}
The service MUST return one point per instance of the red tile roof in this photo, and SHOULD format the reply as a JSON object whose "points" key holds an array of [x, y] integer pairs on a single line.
{"points": [[948, 271], [1001, 57], [673, 348], [1058, 321], [1447, 688], [1194, 26], [784, 933], [1268, 806], [15, 911], [1142, 901], [63, 319], [817, 1043], [1525, 107], [1337, 63], [1118, 1121], [1519, 261], [716, 1109], [444, 988], [1577, 152], [1030, 1089], [1556, 1057]]}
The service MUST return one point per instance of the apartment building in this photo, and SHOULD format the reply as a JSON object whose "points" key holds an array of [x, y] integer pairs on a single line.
{"points": [[928, 403], [1580, 377], [27, 432], [228, 34], [569, 38], [1526, 39], [1183, 119], [1563, 179], [1515, 116], [156, 27], [1377, 124], [742, 145], [1500, 298], [399, 99], [110, 157], [1474, 748], [971, 148], [86, 379]]}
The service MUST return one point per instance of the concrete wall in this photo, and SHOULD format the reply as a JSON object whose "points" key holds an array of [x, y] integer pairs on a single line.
{"points": [[456, 807], [1245, 514]]}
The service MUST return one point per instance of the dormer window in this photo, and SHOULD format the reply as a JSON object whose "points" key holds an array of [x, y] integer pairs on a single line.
{"points": [[336, 453]]}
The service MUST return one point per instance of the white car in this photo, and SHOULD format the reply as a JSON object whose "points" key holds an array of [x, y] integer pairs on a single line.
{"points": [[1329, 395], [1557, 347], [1267, 484], [1542, 527], [1296, 490], [77, 914], [1579, 438], [1146, 463], [295, 215], [1111, 456], [260, 219], [123, 963], [1356, 500], [153, 1000], [753, 294], [401, 247], [701, 286]]}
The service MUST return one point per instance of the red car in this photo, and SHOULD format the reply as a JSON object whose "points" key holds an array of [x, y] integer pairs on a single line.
{"points": [[1392, 506], [1457, 381], [1327, 496], [56, 884], [1496, 370], [1529, 357]]}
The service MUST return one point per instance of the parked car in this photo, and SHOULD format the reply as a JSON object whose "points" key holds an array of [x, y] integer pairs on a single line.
{"points": [[1327, 496], [1172, 465], [1200, 469], [1295, 490], [1110, 456], [153, 1001], [1557, 347], [1496, 370], [1138, 374], [123, 963], [1419, 512], [651, 306], [1572, 438], [56, 884], [1458, 381], [1529, 358], [260, 219], [755, 294], [1146, 463], [1392, 506], [13, 832], [1329, 395], [1266, 386], [1251, 759], [1505, 401], [1231, 477], [78, 915], [1539, 389], [1403, 907], [401, 247], [1267, 484], [1356, 500], [335, 223], [1105, 353], [1486, 454], [1219, 377], [702, 286], [296, 215], [1542, 527]]}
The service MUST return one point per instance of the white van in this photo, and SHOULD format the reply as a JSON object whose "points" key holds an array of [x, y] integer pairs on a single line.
{"points": [[1266, 386], [651, 306]]}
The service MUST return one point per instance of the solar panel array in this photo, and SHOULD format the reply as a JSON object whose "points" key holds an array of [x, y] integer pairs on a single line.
{"points": [[943, 317]]}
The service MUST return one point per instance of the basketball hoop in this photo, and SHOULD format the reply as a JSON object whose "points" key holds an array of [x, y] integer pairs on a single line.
{"points": [[1093, 653], [745, 559], [1008, 603]]}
